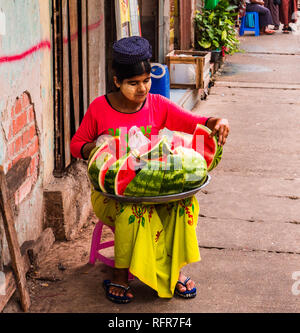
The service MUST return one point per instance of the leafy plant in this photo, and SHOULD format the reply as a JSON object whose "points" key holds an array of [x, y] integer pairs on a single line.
{"points": [[215, 29]]}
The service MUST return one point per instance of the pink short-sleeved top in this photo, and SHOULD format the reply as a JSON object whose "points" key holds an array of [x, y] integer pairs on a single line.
{"points": [[156, 113]]}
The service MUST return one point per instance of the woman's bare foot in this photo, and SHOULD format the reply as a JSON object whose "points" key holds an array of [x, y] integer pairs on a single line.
{"points": [[189, 285], [267, 31], [120, 276]]}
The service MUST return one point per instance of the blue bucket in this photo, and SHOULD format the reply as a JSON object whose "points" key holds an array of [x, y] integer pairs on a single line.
{"points": [[160, 80]]}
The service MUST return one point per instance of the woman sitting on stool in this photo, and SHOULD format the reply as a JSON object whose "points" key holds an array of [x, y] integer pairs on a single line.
{"points": [[265, 17]]}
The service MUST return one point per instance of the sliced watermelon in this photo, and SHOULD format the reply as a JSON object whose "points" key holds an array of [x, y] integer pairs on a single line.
{"points": [[126, 173], [102, 157], [173, 179], [108, 174], [95, 153], [181, 139], [98, 157], [208, 147], [156, 149], [194, 168], [138, 185], [148, 180], [103, 171]]}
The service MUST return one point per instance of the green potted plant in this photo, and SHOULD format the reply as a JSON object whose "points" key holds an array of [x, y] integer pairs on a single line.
{"points": [[215, 29]]}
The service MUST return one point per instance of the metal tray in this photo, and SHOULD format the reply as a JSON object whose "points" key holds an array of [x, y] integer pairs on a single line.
{"points": [[158, 199]]}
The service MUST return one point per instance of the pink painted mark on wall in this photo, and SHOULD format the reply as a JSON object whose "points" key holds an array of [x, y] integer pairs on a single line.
{"points": [[16, 57], [90, 27], [46, 44]]}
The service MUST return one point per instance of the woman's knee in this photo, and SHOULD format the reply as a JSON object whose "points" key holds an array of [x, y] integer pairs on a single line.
{"points": [[264, 11]]}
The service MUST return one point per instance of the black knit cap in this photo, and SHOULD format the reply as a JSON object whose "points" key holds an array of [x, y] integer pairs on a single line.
{"points": [[131, 50]]}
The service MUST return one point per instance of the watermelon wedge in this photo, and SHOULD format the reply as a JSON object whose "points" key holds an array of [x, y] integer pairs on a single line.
{"points": [[181, 139], [101, 158], [148, 181], [156, 149], [206, 146], [173, 180], [108, 174], [194, 168], [126, 173], [98, 157]]}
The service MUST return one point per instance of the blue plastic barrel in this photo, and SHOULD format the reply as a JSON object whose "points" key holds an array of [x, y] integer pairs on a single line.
{"points": [[160, 80]]}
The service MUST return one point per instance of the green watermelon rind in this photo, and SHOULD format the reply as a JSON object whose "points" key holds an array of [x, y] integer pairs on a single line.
{"points": [[93, 176], [148, 181], [93, 154], [218, 149], [95, 168], [194, 166], [135, 164], [173, 180], [137, 186], [109, 180]]}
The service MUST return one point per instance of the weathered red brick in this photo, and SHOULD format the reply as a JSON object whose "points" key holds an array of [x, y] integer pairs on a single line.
{"points": [[10, 132], [25, 138], [11, 149], [19, 123], [33, 147], [30, 114], [32, 131], [34, 165], [18, 144], [18, 106], [25, 100]]}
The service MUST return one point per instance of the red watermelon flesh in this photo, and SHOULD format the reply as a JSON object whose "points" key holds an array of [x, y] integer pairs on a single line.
{"points": [[179, 139], [208, 147], [127, 172], [103, 157]]}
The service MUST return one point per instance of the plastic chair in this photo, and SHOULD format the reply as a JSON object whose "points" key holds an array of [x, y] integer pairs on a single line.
{"points": [[96, 246], [250, 22]]}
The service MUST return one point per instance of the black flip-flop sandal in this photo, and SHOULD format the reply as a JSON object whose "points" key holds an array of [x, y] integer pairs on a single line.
{"points": [[114, 298], [285, 30], [188, 293]]}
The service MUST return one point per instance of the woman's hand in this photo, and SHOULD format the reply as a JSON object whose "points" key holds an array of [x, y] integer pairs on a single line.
{"points": [[219, 127], [86, 150]]}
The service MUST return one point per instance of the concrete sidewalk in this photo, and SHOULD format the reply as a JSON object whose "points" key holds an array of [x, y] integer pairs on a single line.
{"points": [[249, 224]]}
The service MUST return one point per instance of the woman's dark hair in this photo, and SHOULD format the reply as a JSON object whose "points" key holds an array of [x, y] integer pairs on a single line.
{"points": [[125, 71]]}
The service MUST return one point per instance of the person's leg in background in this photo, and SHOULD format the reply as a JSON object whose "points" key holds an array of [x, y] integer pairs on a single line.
{"points": [[287, 10], [274, 9], [265, 17]]}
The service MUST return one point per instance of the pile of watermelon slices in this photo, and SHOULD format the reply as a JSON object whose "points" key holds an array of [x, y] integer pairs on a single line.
{"points": [[155, 169]]}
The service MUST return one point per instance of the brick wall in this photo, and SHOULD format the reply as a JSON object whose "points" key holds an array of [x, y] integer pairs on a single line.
{"points": [[23, 141]]}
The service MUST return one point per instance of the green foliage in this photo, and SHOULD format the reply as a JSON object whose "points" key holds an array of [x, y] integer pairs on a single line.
{"points": [[216, 28]]}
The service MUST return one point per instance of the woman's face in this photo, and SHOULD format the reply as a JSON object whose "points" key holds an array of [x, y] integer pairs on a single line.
{"points": [[136, 88]]}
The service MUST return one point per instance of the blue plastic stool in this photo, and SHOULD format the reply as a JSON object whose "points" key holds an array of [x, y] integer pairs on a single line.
{"points": [[250, 22]]}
